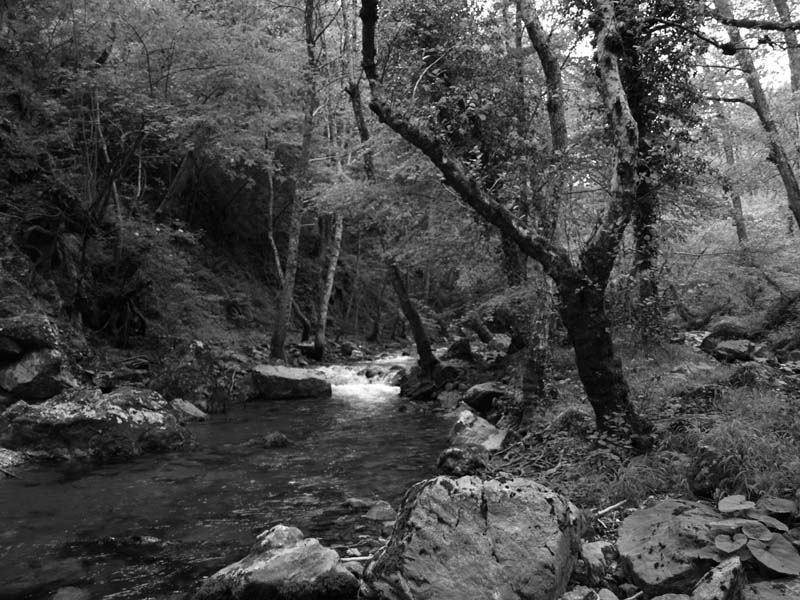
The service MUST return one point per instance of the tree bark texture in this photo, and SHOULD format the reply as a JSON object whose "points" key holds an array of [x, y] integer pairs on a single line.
{"points": [[331, 254], [790, 37], [729, 188], [777, 153], [278, 342], [186, 173], [427, 361], [581, 286]]}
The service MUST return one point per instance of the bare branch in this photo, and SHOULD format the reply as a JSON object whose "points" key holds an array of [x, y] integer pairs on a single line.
{"points": [[749, 103], [763, 24]]}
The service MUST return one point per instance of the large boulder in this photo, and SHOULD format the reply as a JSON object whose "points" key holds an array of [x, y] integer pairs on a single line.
{"points": [[283, 566], [30, 331], [481, 397], [88, 424], [468, 539], [33, 362], [733, 350], [666, 548], [470, 429], [9, 459], [272, 382], [38, 375]]}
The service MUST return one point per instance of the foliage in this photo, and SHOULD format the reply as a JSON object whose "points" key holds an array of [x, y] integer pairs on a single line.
{"points": [[748, 528]]}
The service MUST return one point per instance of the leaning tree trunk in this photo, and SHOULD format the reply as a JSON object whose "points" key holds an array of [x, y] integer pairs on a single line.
{"points": [[427, 361], [332, 253], [582, 286], [777, 153]]}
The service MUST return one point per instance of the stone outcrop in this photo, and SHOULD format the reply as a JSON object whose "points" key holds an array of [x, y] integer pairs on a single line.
{"points": [[458, 461], [286, 383], [89, 425], [468, 539], [666, 548], [283, 566], [33, 364], [470, 429], [9, 460], [481, 397]]}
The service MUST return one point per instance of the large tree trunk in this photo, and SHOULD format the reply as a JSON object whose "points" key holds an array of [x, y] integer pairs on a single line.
{"points": [[427, 361], [777, 153], [790, 37], [583, 313], [728, 187], [645, 220], [514, 263], [331, 252], [602, 379], [278, 341], [277, 345], [187, 171]]}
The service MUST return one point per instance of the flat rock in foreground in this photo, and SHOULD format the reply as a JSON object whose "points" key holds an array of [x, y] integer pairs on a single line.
{"points": [[468, 539], [666, 548], [283, 566], [272, 382]]}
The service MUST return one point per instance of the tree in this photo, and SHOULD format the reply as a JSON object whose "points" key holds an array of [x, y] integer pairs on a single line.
{"points": [[299, 174], [581, 285], [760, 103]]}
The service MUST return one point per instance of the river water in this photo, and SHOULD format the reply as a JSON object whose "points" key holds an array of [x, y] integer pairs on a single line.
{"points": [[153, 527]]}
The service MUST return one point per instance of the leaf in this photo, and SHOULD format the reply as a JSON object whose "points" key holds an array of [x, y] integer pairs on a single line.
{"points": [[734, 503], [730, 526], [770, 522], [728, 545], [777, 555], [777, 506], [757, 531]]}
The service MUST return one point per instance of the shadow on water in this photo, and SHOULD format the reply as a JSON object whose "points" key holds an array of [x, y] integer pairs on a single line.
{"points": [[152, 528]]}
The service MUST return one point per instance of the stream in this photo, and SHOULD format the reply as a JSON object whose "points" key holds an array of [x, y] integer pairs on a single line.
{"points": [[152, 528]]}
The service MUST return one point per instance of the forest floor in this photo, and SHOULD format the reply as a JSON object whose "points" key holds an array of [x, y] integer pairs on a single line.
{"points": [[744, 415]]}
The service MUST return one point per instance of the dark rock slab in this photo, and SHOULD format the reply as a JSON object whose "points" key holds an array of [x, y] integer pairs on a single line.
{"points": [[10, 350], [30, 331], [286, 383], [481, 397], [38, 375], [666, 548]]}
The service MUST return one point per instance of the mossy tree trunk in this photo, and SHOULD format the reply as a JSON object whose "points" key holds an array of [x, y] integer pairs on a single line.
{"points": [[581, 286]]}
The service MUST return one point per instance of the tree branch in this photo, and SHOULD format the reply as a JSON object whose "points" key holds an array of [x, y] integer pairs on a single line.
{"points": [[745, 101], [553, 258], [764, 24]]}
